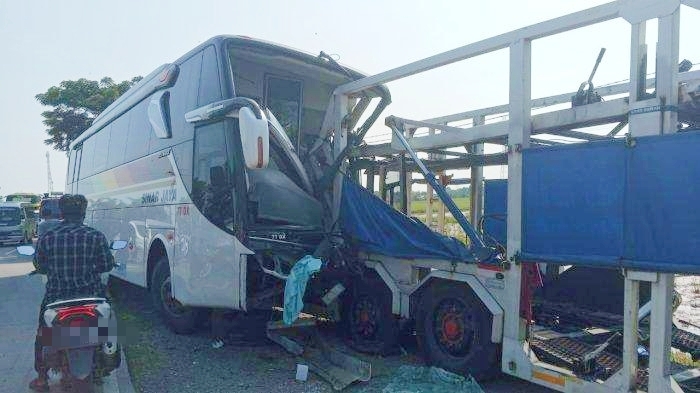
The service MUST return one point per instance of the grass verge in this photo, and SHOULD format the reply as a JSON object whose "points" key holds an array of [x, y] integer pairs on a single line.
{"points": [[142, 357]]}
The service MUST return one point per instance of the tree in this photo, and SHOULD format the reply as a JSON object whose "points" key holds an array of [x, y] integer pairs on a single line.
{"points": [[75, 105]]}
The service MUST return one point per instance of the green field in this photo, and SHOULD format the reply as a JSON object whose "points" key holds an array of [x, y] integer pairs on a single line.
{"points": [[418, 207]]}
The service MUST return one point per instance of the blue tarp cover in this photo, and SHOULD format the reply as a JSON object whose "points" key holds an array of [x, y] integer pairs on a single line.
{"points": [[495, 209], [614, 204], [374, 226]]}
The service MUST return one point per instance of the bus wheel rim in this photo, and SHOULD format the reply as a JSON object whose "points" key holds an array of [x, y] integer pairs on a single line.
{"points": [[170, 304]]}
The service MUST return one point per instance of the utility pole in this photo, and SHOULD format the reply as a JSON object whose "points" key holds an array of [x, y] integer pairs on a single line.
{"points": [[48, 173]]}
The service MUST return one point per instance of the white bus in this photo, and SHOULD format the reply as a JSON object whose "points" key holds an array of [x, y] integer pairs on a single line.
{"points": [[192, 168]]}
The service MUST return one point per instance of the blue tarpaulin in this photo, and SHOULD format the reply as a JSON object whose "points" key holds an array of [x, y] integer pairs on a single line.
{"points": [[495, 210], [374, 226], [615, 203]]}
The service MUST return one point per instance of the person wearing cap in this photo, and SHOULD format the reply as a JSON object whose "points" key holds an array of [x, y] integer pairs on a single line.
{"points": [[73, 256]]}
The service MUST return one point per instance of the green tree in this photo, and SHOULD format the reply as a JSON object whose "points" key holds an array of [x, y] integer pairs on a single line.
{"points": [[75, 105]]}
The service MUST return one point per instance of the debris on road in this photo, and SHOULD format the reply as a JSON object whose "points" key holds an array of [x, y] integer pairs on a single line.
{"points": [[302, 339], [302, 372], [430, 380]]}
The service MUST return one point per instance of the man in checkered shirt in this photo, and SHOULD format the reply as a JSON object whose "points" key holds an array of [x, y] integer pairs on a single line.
{"points": [[73, 256]]}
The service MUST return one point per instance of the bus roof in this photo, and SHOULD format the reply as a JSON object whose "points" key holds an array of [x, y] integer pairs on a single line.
{"points": [[153, 81]]}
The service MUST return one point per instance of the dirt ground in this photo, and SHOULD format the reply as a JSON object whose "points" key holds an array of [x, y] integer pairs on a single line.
{"points": [[161, 361]]}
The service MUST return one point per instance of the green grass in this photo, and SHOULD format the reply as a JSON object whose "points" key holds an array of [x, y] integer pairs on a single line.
{"points": [[142, 357], [418, 207]]}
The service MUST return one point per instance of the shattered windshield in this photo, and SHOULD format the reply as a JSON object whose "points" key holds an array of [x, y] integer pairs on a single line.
{"points": [[282, 136], [9, 216]]}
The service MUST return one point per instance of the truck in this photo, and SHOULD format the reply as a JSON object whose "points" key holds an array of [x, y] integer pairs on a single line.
{"points": [[223, 169], [15, 227], [30, 203]]}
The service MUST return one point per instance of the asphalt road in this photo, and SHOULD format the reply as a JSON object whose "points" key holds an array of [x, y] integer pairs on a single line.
{"points": [[20, 297]]}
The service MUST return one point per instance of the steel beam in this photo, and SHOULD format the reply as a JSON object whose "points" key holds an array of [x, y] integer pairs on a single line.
{"points": [[599, 113], [514, 360], [667, 69], [616, 89], [451, 163], [692, 3], [453, 182], [553, 26], [558, 122]]}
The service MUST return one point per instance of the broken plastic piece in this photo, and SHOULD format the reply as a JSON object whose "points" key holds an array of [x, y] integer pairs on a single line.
{"points": [[302, 372]]}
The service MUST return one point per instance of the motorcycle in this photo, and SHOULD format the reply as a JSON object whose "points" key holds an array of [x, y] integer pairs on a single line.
{"points": [[80, 336]]}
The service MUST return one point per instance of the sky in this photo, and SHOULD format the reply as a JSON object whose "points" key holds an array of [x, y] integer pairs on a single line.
{"points": [[45, 42]]}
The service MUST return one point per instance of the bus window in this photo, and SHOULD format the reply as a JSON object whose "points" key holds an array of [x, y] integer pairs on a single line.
{"points": [[280, 162], [212, 189], [71, 164], [86, 159], [209, 85], [118, 140], [283, 97], [78, 152], [183, 96], [139, 134], [99, 162]]}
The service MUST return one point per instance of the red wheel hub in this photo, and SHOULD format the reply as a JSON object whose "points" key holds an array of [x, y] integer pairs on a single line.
{"points": [[451, 328], [364, 316]]}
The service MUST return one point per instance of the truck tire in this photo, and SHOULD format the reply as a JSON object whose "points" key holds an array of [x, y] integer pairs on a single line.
{"points": [[453, 328], [370, 326], [180, 319]]}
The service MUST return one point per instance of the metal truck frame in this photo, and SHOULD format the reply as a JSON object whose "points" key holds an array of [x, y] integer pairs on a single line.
{"points": [[500, 289]]}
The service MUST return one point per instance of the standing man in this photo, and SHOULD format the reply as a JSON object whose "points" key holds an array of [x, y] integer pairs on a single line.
{"points": [[72, 256]]}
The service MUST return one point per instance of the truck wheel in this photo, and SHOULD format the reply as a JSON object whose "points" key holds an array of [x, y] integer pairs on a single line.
{"points": [[371, 327], [180, 319], [453, 328]]}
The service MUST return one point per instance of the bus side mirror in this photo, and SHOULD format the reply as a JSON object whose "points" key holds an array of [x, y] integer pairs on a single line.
{"points": [[255, 136], [255, 139]]}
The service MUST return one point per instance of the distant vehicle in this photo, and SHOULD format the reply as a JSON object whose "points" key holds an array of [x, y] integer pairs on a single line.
{"points": [[14, 225], [49, 215], [34, 199], [30, 202]]}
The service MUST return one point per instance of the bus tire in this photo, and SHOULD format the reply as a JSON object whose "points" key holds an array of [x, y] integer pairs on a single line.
{"points": [[453, 328], [180, 319], [369, 323]]}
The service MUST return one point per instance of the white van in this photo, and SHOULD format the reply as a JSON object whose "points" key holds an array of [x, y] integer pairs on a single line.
{"points": [[13, 224]]}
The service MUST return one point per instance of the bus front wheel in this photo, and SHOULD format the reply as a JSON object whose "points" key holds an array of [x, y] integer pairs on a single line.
{"points": [[180, 319]]}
